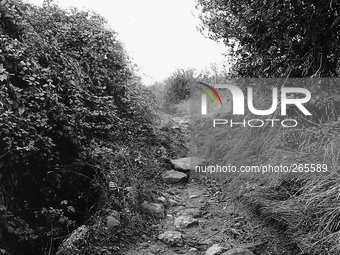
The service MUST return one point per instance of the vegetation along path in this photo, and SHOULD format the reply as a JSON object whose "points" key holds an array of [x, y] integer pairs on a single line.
{"points": [[88, 166], [197, 217]]}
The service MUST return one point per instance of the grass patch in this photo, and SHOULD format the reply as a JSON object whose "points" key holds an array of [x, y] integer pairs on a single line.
{"points": [[304, 205]]}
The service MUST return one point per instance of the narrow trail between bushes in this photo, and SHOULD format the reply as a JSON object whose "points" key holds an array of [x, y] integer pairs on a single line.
{"points": [[201, 218]]}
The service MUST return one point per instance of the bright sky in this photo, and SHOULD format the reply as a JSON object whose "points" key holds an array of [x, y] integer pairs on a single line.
{"points": [[160, 35]]}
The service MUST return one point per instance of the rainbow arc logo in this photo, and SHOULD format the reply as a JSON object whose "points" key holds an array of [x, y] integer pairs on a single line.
{"points": [[208, 92]]}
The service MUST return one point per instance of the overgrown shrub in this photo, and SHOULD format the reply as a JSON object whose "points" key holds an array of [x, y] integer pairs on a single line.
{"points": [[67, 89], [177, 88]]}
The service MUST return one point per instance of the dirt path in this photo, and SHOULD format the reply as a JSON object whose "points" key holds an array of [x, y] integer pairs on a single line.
{"points": [[218, 222], [202, 219]]}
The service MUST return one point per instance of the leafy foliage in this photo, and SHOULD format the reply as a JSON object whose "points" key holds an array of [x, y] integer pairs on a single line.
{"points": [[66, 89], [177, 88], [276, 38]]}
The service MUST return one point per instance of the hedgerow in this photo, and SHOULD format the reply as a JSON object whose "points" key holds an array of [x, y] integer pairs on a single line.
{"points": [[68, 94]]}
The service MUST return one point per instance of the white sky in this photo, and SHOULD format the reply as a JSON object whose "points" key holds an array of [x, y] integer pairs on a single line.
{"points": [[160, 35]]}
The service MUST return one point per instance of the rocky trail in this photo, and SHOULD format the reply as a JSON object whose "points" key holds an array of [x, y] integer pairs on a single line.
{"points": [[196, 217]]}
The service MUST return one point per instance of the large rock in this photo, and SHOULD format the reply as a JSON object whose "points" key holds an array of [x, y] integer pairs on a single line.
{"points": [[174, 177], [238, 251], [192, 251], [185, 222], [70, 245], [112, 222], [188, 164], [113, 219], [173, 238], [215, 250], [155, 209]]}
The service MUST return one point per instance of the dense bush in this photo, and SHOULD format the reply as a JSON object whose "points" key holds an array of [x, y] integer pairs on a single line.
{"points": [[67, 91], [276, 38], [177, 88]]}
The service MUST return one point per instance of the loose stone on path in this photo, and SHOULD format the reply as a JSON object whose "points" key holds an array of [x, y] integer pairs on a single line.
{"points": [[215, 250], [173, 177], [156, 209], [188, 164], [173, 238], [185, 222], [238, 251]]}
